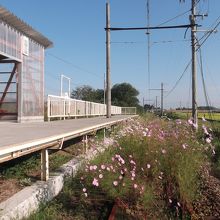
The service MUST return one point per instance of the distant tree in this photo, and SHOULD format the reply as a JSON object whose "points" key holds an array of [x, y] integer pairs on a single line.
{"points": [[84, 92], [124, 94], [87, 93]]}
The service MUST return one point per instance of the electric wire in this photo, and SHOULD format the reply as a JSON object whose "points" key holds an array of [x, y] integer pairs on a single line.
{"points": [[179, 79], [73, 65], [171, 19], [207, 100], [208, 34], [144, 42]]}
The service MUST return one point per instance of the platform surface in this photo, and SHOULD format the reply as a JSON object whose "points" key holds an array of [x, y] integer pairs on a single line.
{"points": [[13, 135]]}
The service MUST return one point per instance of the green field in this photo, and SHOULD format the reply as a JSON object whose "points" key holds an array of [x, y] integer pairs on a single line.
{"points": [[185, 115]]}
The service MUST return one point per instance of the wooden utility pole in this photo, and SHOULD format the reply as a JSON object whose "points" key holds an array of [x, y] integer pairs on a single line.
{"points": [[104, 89], [194, 45], [161, 105], [161, 98], [108, 79]]}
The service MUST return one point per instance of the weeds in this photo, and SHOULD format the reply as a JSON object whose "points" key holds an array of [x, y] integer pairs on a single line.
{"points": [[150, 162]]}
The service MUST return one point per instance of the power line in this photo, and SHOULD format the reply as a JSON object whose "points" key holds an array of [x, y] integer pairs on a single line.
{"points": [[171, 19], [144, 42], [177, 82], [208, 104], [73, 65], [208, 34]]}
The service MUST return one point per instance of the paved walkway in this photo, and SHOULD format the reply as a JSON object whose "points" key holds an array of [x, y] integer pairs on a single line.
{"points": [[14, 136]]}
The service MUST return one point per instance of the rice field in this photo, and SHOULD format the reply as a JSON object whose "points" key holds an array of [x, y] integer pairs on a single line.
{"points": [[213, 116]]}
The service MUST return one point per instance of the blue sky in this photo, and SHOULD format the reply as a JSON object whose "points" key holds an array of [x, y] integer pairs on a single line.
{"points": [[77, 29]]}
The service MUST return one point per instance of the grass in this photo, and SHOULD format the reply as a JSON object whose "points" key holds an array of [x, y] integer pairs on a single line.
{"points": [[26, 169], [71, 204]]}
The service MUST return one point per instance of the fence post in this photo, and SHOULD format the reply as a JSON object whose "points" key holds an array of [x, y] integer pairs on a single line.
{"points": [[48, 108], [64, 109]]}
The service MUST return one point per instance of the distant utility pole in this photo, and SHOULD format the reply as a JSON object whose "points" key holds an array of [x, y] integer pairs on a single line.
{"points": [[161, 105], [161, 97], [108, 79], [194, 45], [156, 103]]}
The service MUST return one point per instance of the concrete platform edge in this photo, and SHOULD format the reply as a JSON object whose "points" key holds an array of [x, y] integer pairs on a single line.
{"points": [[28, 200]]}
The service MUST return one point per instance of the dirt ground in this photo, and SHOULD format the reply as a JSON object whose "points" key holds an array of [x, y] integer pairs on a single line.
{"points": [[8, 187]]}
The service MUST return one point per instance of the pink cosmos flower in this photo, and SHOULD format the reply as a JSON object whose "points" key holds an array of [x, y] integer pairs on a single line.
{"points": [[184, 146], [120, 177], [100, 176], [108, 168], [95, 182], [190, 121], [208, 140], [135, 185], [170, 201], [115, 183], [84, 189], [148, 166], [178, 121], [103, 166], [213, 152], [132, 162], [163, 151]]}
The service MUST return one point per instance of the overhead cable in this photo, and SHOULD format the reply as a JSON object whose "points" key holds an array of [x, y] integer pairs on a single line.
{"points": [[177, 82], [73, 65]]}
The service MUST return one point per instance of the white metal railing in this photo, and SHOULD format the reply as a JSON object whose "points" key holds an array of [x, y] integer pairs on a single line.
{"points": [[64, 107], [128, 110]]}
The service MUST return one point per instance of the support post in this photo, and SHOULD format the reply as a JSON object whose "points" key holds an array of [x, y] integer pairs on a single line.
{"points": [[194, 43], [108, 79], [156, 103], [85, 143], [104, 135], [44, 165]]}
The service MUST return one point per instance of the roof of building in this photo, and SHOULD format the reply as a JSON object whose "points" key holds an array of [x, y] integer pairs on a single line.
{"points": [[23, 27]]}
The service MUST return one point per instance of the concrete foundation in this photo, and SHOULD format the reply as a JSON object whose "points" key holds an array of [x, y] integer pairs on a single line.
{"points": [[25, 202]]}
